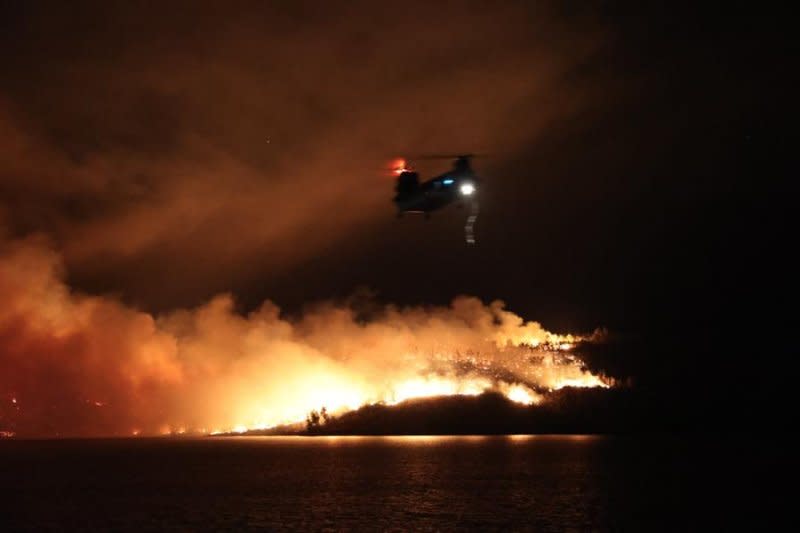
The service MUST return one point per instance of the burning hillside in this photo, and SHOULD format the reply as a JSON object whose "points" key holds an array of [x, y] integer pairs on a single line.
{"points": [[76, 364]]}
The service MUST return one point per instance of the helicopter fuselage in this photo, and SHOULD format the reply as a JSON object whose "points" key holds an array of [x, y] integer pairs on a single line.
{"points": [[438, 192]]}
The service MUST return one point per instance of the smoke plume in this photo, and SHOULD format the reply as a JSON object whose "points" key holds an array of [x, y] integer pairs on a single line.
{"points": [[150, 141]]}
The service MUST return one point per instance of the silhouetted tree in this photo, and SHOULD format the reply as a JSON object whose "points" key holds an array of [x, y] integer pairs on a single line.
{"points": [[312, 421]]}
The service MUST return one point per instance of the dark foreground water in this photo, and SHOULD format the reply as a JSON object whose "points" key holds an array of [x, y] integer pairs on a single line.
{"points": [[543, 483]]}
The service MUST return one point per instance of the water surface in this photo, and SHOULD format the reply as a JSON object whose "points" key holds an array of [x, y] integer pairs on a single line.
{"points": [[543, 483]]}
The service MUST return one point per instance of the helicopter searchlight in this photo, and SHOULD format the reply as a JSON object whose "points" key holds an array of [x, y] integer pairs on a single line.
{"points": [[467, 189]]}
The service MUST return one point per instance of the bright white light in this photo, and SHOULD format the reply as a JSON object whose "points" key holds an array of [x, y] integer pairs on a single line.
{"points": [[467, 189]]}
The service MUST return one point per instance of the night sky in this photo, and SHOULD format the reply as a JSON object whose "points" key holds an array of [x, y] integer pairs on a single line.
{"points": [[635, 171]]}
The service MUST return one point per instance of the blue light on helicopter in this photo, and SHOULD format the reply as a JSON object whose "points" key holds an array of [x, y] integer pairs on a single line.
{"points": [[448, 181]]}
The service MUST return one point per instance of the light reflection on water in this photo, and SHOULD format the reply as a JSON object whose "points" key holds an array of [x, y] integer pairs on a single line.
{"points": [[399, 439], [538, 482]]}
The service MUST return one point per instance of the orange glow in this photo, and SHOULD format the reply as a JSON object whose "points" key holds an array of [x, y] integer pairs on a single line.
{"points": [[398, 166]]}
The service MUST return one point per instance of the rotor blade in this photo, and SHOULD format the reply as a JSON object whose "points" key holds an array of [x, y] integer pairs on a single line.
{"points": [[447, 156]]}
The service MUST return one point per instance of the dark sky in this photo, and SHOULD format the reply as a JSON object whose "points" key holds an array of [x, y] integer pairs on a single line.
{"points": [[634, 178]]}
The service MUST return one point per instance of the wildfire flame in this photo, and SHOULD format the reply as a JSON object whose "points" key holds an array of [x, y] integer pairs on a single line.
{"points": [[549, 372], [85, 365]]}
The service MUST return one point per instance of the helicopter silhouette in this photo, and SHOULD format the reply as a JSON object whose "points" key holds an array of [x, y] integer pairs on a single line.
{"points": [[459, 185]]}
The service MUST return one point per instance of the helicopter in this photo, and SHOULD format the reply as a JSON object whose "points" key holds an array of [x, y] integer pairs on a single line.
{"points": [[458, 185]]}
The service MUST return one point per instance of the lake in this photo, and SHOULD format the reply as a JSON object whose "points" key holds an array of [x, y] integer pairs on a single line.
{"points": [[542, 483]]}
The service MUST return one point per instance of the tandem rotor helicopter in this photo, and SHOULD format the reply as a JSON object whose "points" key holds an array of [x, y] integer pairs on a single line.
{"points": [[459, 185]]}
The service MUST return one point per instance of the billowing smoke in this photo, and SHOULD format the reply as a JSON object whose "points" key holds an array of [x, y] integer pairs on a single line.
{"points": [[74, 364], [143, 139]]}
